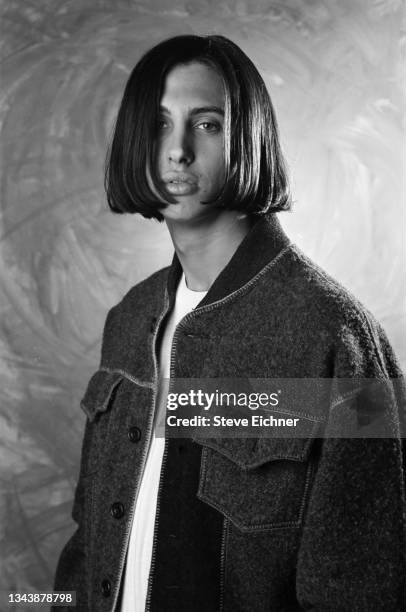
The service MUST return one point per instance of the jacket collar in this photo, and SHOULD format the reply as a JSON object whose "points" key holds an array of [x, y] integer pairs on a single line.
{"points": [[265, 240]]}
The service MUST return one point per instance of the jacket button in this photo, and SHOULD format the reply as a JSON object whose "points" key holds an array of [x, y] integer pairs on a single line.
{"points": [[106, 588], [134, 434], [117, 510]]}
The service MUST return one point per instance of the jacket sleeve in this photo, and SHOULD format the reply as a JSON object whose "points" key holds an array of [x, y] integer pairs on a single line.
{"points": [[72, 567], [352, 555]]}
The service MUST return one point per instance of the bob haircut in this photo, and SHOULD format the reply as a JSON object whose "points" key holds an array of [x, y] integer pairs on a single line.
{"points": [[256, 181]]}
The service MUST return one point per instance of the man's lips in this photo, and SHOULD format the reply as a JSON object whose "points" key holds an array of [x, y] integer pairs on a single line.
{"points": [[181, 183], [179, 178]]}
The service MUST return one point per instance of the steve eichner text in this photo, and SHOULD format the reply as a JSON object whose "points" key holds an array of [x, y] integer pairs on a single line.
{"points": [[207, 400]]}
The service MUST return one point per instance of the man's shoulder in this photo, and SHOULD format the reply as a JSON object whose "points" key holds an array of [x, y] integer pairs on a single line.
{"points": [[130, 320], [316, 291], [331, 308], [144, 293]]}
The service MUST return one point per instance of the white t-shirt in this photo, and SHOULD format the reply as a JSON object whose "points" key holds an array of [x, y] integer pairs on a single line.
{"points": [[142, 530]]}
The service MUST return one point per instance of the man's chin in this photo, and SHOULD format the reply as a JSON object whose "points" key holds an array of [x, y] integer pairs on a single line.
{"points": [[183, 211]]}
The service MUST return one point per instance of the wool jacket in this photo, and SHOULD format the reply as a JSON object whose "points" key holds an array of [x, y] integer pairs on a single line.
{"points": [[314, 521]]}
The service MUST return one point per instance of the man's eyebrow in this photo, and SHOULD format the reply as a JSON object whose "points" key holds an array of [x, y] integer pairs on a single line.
{"points": [[198, 110]]}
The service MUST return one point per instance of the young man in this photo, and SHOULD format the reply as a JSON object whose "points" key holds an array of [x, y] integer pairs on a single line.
{"points": [[315, 521]]}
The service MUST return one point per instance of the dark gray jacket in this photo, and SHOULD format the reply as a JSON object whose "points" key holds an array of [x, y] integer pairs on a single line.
{"points": [[275, 524]]}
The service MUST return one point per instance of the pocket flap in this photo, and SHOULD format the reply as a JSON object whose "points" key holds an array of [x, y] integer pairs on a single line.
{"points": [[99, 392], [250, 453]]}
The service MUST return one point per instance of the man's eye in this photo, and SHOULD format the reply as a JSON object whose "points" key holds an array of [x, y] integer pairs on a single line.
{"points": [[208, 126]]}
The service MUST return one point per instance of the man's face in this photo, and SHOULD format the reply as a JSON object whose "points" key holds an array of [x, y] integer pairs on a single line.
{"points": [[190, 151]]}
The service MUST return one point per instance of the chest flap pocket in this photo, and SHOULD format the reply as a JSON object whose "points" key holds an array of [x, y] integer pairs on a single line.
{"points": [[258, 484], [99, 393], [97, 404]]}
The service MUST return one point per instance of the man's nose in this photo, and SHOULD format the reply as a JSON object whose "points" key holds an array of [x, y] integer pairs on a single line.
{"points": [[180, 149]]}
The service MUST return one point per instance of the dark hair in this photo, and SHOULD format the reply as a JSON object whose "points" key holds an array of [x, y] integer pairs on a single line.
{"points": [[255, 178]]}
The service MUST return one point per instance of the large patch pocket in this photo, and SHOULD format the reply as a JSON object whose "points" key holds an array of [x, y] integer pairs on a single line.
{"points": [[258, 484]]}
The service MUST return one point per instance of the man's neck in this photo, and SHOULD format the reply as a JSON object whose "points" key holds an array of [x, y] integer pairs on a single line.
{"points": [[204, 249]]}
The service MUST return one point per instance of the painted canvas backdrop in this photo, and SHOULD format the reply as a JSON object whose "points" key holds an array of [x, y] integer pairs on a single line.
{"points": [[335, 74]]}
